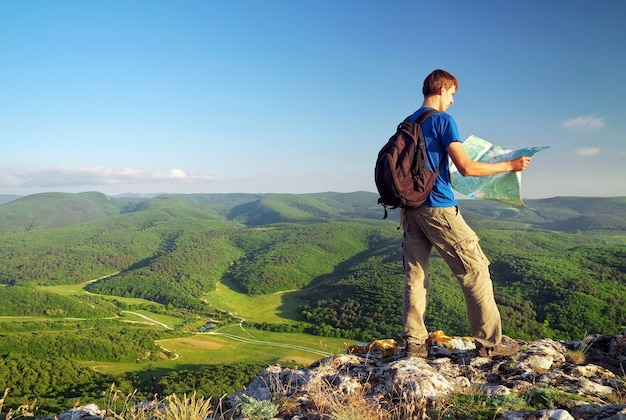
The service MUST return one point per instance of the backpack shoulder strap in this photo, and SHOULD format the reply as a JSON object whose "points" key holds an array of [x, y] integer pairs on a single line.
{"points": [[420, 120], [422, 117]]}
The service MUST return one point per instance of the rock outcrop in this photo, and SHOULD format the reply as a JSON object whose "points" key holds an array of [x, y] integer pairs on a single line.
{"points": [[378, 375], [576, 380]]}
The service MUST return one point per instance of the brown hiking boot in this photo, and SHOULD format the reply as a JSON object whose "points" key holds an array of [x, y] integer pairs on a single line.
{"points": [[416, 350], [506, 347]]}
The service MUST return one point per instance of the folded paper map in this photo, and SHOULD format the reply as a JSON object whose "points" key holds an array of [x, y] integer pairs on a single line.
{"points": [[504, 187]]}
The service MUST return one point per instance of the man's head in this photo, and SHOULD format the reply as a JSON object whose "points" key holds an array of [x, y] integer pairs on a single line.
{"points": [[440, 87]]}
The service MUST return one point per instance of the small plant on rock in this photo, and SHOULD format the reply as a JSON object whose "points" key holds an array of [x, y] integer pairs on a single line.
{"points": [[578, 355], [473, 404], [551, 398], [254, 409], [191, 408]]}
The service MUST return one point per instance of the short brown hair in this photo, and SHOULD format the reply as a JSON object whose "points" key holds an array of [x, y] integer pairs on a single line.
{"points": [[436, 80]]}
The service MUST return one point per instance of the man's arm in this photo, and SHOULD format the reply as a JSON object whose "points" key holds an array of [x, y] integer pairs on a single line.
{"points": [[469, 167]]}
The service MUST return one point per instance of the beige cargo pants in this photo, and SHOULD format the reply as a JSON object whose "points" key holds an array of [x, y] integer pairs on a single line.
{"points": [[446, 230]]}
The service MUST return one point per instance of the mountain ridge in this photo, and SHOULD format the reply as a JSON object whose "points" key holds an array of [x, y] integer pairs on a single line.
{"points": [[63, 209], [334, 248]]}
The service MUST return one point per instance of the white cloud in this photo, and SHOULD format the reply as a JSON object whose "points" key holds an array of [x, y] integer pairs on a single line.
{"points": [[587, 151], [61, 176], [585, 122], [178, 174]]}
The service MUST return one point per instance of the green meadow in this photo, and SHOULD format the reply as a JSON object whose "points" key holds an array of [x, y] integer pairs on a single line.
{"points": [[226, 344]]}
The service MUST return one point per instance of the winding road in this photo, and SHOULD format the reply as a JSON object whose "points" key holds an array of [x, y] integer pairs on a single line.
{"points": [[251, 340], [254, 340], [150, 320]]}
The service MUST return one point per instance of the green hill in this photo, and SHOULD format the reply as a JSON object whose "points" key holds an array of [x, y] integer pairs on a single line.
{"points": [[567, 214], [547, 259], [28, 301], [282, 208], [54, 210], [219, 203]]}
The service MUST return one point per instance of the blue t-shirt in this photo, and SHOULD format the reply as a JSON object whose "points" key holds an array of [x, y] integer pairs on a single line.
{"points": [[439, 131]]}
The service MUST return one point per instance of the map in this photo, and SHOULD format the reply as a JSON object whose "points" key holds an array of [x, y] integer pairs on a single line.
{"points": [[504, 187]]}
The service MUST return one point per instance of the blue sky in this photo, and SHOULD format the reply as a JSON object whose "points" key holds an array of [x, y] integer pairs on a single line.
{"points": [[298, 96]]}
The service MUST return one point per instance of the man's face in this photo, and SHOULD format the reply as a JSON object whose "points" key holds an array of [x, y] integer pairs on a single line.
{"points": [[447, 97]]}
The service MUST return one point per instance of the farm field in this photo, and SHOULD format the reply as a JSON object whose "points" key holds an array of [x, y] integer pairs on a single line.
{"points": [[225, 345]]}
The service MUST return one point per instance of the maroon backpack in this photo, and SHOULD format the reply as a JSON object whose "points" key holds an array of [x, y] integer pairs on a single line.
{"points": [[402, 176]]}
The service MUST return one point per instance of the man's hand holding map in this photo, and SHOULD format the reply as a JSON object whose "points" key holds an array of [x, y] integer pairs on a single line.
{"points": [[504, 187]]}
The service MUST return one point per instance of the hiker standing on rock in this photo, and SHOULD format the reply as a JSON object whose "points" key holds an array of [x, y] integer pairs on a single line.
{"points": [[439, 223]]}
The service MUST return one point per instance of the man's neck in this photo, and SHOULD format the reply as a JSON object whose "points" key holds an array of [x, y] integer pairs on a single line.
{"points": [[432, 102]]}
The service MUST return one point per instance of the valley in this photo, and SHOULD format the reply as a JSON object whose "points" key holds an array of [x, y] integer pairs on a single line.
{"points": [[200, 292]]}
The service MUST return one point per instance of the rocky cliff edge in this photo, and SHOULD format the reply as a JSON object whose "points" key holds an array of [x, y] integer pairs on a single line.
{"points": [[576, 380]]}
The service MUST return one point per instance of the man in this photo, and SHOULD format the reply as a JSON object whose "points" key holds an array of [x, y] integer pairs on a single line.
{"points": [[439, 223]]}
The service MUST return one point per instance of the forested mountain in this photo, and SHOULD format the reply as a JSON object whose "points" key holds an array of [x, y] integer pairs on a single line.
{"points": [[71, 266], [52, 210], [559, 266]]}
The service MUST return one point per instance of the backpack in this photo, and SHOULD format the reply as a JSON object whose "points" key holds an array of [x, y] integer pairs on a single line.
{"points": [[402, 176]]}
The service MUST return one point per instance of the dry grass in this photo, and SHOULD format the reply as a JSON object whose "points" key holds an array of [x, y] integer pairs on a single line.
{"points": [[171, 408], [578, 355], [619, 389], [338, 405], [26, 410], [335, 404]]}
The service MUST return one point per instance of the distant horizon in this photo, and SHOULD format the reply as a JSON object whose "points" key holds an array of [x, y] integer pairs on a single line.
{"points": [[155, 194]]}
